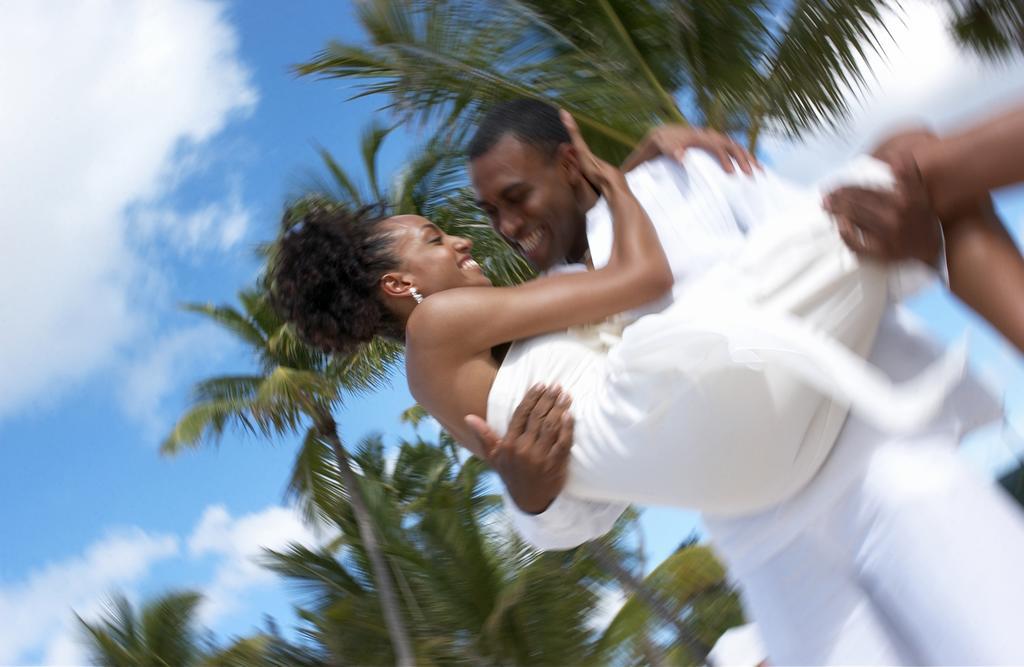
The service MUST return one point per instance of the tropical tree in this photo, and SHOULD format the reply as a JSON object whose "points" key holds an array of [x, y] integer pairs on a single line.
{"points": [[295, 390], [692, 585], [266, 648], [475, 593], [619, 66], [993, 28], [163, 632]]}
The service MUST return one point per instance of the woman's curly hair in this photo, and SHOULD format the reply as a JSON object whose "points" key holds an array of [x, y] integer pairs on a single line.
{"points": [[326, 270]]}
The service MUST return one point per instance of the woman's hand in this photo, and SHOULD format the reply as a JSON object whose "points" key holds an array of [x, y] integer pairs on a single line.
{"points": [[674, 140], [599, 173]]}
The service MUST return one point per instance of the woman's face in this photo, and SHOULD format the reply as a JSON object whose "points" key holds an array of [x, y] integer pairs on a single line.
{"points": [[431, 260]]}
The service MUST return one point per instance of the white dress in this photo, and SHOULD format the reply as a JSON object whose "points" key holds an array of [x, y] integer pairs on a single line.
{"points": [[730, 398], [855, 567]]}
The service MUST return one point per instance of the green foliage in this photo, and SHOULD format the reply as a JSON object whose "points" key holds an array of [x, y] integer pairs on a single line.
{"points": [[692, 582], [295, 381], [471, 591], [618, 65], [163, 632], [992, 28]]}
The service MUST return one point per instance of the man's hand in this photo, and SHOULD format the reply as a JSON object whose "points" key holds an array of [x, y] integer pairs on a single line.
{"points": [[674, 140], [533, 457], [896, 224]]}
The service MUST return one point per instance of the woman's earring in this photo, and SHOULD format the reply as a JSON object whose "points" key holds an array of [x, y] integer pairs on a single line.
{"points": [[416, 295]]}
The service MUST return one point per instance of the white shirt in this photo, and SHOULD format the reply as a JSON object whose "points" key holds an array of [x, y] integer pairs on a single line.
{"points": [[701, 214]]}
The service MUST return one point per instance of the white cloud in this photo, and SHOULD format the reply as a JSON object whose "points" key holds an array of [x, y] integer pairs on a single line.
{"points": [[609, 603], [37, 612], [922, 76], [239, 542], [100, 99], [215, 226], [149, 380]]}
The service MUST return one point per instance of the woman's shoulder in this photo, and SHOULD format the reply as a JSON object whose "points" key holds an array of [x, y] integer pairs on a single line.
{"points": [[441, 316]]}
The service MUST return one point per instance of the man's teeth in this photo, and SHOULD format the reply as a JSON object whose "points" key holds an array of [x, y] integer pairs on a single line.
{"points": [[469, 263], [530, 243]]}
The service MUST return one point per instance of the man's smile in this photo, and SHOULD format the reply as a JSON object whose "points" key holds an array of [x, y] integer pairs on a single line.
{"points": [[531, 241]]}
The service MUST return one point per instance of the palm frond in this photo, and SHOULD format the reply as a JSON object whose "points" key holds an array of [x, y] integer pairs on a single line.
{"points": [[316, 574], [367, 369], [344, 187], [168, 626], [818, 57], [285, 347], [234, 389], [413, 415], [164, 632], [992, 28], [229, 318], [206, 422], [369, 146], [315, 484], [692, 581]]}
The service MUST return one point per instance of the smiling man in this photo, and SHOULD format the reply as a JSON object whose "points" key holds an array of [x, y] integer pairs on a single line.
{"points": [[845, 570], [536, 205]]}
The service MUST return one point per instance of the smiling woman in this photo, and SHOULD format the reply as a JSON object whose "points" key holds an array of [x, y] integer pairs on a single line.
{"points": [[341, 296], [431, 260], [776, 331]]}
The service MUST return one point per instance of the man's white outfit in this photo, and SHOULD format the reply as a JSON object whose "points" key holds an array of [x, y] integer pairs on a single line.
{"points": [[894, 552]]}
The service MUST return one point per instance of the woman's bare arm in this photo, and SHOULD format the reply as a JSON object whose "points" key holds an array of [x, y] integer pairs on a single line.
{"points": [[637, 272]]}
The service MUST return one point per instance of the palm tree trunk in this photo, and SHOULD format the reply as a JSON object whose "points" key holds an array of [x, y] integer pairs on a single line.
{"points": [[655, 602], [388, 599]]}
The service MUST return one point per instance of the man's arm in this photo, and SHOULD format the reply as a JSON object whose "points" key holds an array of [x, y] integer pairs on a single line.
{"points": [[963, 167], [903, 224], [986, 270], [533, 462]]}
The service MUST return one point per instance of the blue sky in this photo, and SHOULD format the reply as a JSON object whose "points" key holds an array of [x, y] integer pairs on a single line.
{"points": [[149, 147]]}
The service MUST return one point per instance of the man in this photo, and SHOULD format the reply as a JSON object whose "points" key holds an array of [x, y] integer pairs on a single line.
{"points": [[846, 570]]}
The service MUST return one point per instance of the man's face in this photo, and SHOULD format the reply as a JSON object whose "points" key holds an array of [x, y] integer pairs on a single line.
{"points": [[531, 200]]}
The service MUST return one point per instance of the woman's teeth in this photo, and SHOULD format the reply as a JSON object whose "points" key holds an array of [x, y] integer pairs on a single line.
{"points": [[530, 243], [469, 263]]}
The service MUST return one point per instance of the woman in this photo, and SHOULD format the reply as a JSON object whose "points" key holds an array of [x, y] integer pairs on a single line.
{"points": [[736, 370]]}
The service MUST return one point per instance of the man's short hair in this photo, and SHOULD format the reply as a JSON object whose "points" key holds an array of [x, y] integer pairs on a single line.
{"points": [[530, 121]]}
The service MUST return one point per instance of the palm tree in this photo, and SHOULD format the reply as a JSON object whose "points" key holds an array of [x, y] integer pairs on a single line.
{"points": [[619, 66], [296, 390], [992, 28], [163, 632], [691, 583], [266, 648], [474, 592]]}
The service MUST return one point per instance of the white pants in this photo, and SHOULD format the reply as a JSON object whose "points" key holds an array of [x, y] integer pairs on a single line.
{"points": [[920, 562]]}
